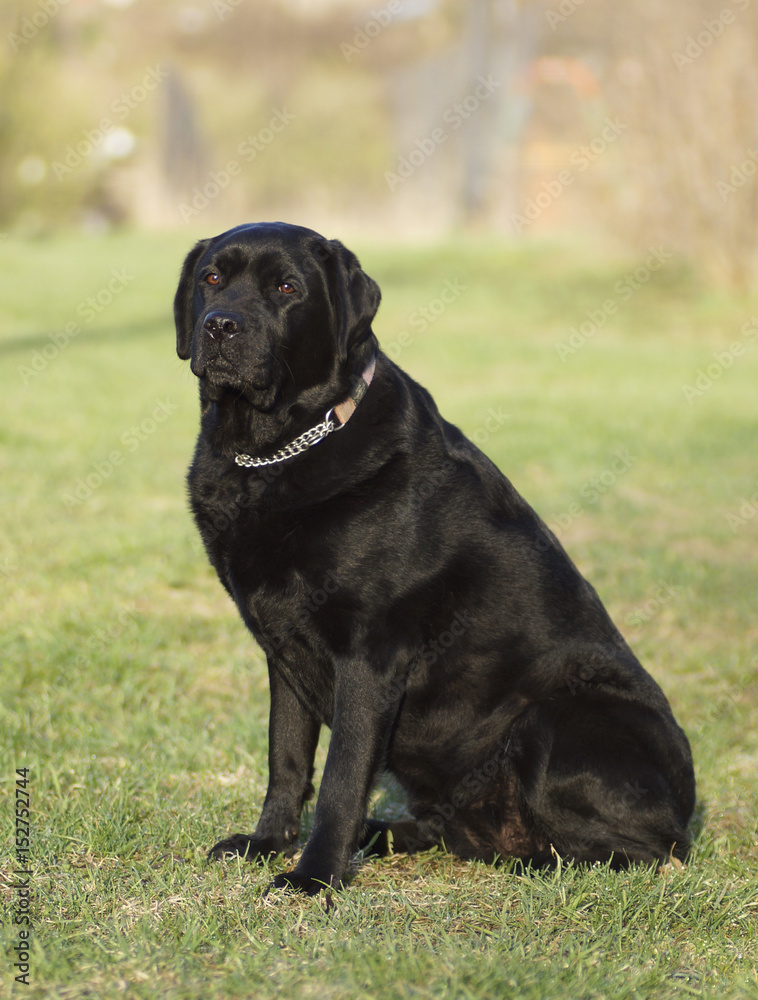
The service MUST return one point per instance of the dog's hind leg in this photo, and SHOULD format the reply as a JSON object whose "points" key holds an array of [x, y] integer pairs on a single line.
{"points": [[380, 838], [608, 781]]}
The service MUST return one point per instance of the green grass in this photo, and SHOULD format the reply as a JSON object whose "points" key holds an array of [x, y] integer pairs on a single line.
{"points": [[134, 695]]}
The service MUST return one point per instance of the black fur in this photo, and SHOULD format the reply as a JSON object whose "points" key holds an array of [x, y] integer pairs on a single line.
{"points": [[405, 596]]}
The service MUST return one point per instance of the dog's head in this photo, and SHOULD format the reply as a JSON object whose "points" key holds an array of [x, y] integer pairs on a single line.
{"points": [[272, 312]]}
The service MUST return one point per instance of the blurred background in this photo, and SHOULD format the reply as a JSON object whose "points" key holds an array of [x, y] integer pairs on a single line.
{"points": [[631, 123], [515, 175]]}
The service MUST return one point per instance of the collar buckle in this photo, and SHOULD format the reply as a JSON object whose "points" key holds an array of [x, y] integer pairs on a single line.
{"points": [[343, 411]]}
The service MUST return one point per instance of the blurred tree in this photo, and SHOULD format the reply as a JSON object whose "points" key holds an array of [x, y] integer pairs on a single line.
{"points": [[184, 156], [421, 114], [686, 78], [682, 78]]}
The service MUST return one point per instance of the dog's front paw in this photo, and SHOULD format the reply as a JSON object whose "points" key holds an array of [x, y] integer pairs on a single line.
{"points": [[248, 847], [303, 883]]}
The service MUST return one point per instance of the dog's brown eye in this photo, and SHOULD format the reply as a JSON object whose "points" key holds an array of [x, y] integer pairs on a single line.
{"points": [[212, 279], [287, 288]]}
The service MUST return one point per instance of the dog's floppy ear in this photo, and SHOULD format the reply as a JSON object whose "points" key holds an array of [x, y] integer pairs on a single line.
{"points": [[355, 297], [184, 301]]}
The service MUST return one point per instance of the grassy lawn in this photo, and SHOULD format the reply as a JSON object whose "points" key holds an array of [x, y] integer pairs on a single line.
{"points": [[131, 691]]}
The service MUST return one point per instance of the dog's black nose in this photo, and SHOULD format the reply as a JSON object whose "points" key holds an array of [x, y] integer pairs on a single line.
{"points": [[221, 325]]}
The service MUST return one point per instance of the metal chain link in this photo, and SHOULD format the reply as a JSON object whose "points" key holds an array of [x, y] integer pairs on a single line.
{"points": [[300, 444]]}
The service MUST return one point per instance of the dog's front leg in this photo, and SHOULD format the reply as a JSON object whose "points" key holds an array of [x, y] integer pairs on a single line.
{"points": [[360, 733], [292, 739]]}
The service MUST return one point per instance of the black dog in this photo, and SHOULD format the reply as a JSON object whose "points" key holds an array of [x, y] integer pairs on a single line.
{"points": [[404, 593]]}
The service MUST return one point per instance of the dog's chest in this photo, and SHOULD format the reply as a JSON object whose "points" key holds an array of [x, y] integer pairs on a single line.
{"points": [[267, 558], [292, 621]]}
